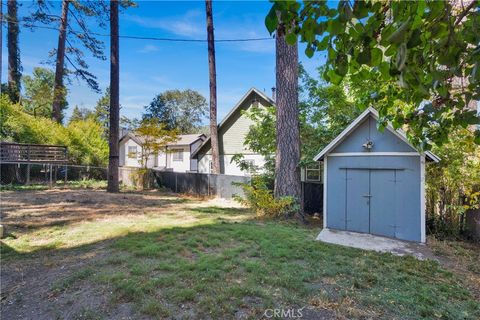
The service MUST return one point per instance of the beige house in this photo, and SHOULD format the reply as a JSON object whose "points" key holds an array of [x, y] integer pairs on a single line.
{"points": [[176, 156], [232, 131]]}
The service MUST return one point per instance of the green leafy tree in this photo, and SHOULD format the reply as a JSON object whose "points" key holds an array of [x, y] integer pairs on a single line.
{"points": [[453, 184], [325, 110], [181, 109], [102, 110], [81, 114], [425, 54], [129, 124], [91, 147], [38, 97], [156, 136], [84, 138]]}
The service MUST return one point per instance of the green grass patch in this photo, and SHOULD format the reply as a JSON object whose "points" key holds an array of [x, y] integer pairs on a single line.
{"points": [[210, 262], [218, 266]]}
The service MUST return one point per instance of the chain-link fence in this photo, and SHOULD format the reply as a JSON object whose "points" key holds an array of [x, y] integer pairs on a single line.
{"points": [[48, 174]]}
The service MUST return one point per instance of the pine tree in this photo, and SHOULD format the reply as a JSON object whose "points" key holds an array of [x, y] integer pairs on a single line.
{"points": [[287, 158], [213, 90], [14, 66], [113, 184]]}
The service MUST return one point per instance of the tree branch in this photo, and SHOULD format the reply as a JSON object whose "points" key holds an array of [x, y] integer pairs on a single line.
{"points": [[465, 12]]}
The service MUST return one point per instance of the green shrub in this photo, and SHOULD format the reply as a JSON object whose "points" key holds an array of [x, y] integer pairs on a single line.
{"points": [[84, 138], [259, 197]]}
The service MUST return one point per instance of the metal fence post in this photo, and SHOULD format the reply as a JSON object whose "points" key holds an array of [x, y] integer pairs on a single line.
{"points": [[66, 167], [66, 172], [50, 170]]}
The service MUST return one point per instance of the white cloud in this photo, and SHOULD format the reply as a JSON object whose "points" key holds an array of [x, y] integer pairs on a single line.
{"points": [[191, 25], [188, 25], [148, 48]]}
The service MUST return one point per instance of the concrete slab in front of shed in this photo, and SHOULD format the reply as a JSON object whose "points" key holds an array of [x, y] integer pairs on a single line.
{"points": [[375, 243]]}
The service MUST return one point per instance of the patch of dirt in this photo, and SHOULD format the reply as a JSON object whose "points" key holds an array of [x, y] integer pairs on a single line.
{"points": [[37, 209], [27, 287], [27, 283]]}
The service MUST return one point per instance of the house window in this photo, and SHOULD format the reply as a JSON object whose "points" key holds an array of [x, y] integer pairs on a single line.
{"points": [[313, 172], [177, 154], [132, 151]]}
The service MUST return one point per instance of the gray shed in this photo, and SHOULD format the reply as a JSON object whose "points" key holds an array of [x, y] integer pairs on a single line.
{"points": [[374, 182]]}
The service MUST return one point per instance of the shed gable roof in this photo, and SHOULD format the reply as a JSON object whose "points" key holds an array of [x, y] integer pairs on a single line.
{"points": [[354, 125]]}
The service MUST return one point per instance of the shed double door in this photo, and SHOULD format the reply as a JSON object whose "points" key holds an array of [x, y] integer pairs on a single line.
{"points": [[371, 201]]}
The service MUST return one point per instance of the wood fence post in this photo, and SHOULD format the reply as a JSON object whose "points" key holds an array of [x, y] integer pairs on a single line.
{"points": [[28, 166]]}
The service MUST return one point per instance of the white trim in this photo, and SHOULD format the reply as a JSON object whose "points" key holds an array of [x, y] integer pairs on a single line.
{"points": [[334, 142], [432, 156], [422, 200], [362, 154], [399, 133], [325, 184]]}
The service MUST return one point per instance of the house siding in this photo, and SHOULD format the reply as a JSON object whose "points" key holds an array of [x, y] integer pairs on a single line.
{"points": [[193, 161], [126, 161], [227, 166], [162, 160], [177, 165], [231, 139]]}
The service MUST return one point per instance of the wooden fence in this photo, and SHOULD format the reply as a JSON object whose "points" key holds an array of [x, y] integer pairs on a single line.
{"points": [[11, 152]]}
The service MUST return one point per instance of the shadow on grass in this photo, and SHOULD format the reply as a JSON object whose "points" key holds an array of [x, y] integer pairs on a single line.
{"points": [[222, 270]]}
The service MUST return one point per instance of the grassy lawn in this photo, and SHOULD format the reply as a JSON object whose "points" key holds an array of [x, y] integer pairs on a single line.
{"points": [[159, 256]]}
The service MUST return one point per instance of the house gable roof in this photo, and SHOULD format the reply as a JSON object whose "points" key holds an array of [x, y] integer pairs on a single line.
{"points": [[354, 125], [233, 111], [187, 139], [131, 135], [183, 139]]}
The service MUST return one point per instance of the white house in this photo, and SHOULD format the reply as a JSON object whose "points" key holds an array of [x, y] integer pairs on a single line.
{"points": [[176, 156], [232, 131]]}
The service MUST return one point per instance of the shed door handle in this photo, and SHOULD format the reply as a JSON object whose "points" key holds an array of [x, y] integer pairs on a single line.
{"points": [[367, 195]]}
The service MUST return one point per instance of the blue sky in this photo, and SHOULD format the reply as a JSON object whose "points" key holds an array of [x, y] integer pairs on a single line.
{"points": [[149, 67]]}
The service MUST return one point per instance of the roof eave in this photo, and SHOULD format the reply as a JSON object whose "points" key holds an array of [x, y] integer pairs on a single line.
{"points": [[355, 124], [234, 109]]}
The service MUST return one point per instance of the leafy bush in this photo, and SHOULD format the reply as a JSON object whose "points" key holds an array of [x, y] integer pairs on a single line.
{"points": [[87, 144], [142, 179], [453, 185], [259, 197], [84, 138]]}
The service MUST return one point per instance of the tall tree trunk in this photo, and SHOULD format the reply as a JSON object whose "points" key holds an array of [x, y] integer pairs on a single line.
{"points": [[1, 43], [14, 73], [213, 90], [287, 169], [114, 99], [59, 89]]}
